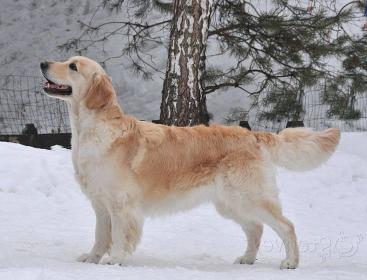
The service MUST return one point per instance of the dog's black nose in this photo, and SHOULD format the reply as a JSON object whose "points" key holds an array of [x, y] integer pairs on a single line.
{"points": [[44, 66]]}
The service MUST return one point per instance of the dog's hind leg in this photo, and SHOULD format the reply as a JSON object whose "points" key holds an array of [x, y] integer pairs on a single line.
{"points": [[102, 235], [249, 192], [271, 214], [252, 229], [253, 232]]}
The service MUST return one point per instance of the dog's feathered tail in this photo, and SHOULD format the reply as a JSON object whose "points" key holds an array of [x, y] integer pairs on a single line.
{"points": [[300, 149]]}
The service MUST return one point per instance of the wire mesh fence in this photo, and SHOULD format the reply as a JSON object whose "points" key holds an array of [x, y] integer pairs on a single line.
{"points": [[22, 102], [315, 114]]}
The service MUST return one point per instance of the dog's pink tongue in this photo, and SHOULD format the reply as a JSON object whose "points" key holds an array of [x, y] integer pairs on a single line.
{"points": [[49, 85]]}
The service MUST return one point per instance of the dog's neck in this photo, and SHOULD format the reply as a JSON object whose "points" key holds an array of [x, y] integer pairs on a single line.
{"points": [[73, 111], [80, 116], [83, 119]]}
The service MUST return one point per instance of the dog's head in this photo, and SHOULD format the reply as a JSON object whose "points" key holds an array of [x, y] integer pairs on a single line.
{"points": [[78, 80]]}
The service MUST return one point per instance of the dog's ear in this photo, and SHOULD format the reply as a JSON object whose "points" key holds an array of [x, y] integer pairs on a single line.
{"points": [[101, 93]]}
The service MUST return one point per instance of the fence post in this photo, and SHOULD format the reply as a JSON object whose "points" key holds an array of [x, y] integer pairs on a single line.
{"points": [[32, 138], [29, 129], [245, 124], [295, 124]]}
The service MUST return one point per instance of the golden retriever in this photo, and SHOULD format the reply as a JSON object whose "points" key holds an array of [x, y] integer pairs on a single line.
{"points": [[131, 169]]}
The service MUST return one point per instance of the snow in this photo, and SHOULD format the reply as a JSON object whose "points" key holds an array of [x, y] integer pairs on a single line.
{"points": [[46, 223]]}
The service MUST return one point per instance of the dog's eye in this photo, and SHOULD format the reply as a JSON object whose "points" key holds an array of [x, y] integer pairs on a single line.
{"points": [[72, 66]]}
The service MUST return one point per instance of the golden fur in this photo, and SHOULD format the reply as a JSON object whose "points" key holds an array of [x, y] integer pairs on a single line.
{"points": [[130, 169]]}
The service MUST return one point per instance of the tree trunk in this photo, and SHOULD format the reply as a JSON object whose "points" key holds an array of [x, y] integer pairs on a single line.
{"points": [[183, 102]]}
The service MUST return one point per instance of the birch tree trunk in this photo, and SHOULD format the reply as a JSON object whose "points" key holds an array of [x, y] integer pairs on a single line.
{"points": [[183, 102]]}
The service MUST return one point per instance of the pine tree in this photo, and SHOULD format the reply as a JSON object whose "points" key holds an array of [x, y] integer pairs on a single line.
{"points": [[183, 101], [273, 52], [342, 89]]}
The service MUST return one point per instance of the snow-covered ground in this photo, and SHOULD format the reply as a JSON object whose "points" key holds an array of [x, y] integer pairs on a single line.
{"points": [[46, 222]]}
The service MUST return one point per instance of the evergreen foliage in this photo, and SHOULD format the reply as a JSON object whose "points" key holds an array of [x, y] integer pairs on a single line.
{"points": [[277, 49]]}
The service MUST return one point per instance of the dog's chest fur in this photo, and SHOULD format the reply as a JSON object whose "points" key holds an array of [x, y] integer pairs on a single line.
{"points": [[91, 143]]}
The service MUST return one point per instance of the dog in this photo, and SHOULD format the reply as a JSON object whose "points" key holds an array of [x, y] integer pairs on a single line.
{"points": [[132, 169]]}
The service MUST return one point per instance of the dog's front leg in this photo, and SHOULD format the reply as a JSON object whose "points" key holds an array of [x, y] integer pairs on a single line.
{"points": [[102, 234], [126, 232]]}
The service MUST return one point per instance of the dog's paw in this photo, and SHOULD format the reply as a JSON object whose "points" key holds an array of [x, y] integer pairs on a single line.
{"points": [[111, 260], [245, 260], [288, 264], [82, 257], [89, 258]]}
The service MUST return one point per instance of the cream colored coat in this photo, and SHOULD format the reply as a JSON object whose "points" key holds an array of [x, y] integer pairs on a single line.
{"points": [[131, 169]]}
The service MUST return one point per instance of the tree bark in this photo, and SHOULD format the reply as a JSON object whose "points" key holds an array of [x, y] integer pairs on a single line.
{"points": [[183, 102]]}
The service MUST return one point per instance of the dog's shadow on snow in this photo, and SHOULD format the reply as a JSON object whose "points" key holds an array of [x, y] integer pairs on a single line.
{"points": [[201, 262]]}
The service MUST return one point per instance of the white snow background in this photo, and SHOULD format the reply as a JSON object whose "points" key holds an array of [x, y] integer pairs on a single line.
{"points": [[46, 222]]}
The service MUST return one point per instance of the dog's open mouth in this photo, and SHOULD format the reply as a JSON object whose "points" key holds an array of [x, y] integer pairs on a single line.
{"points": [[53, 88]]}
